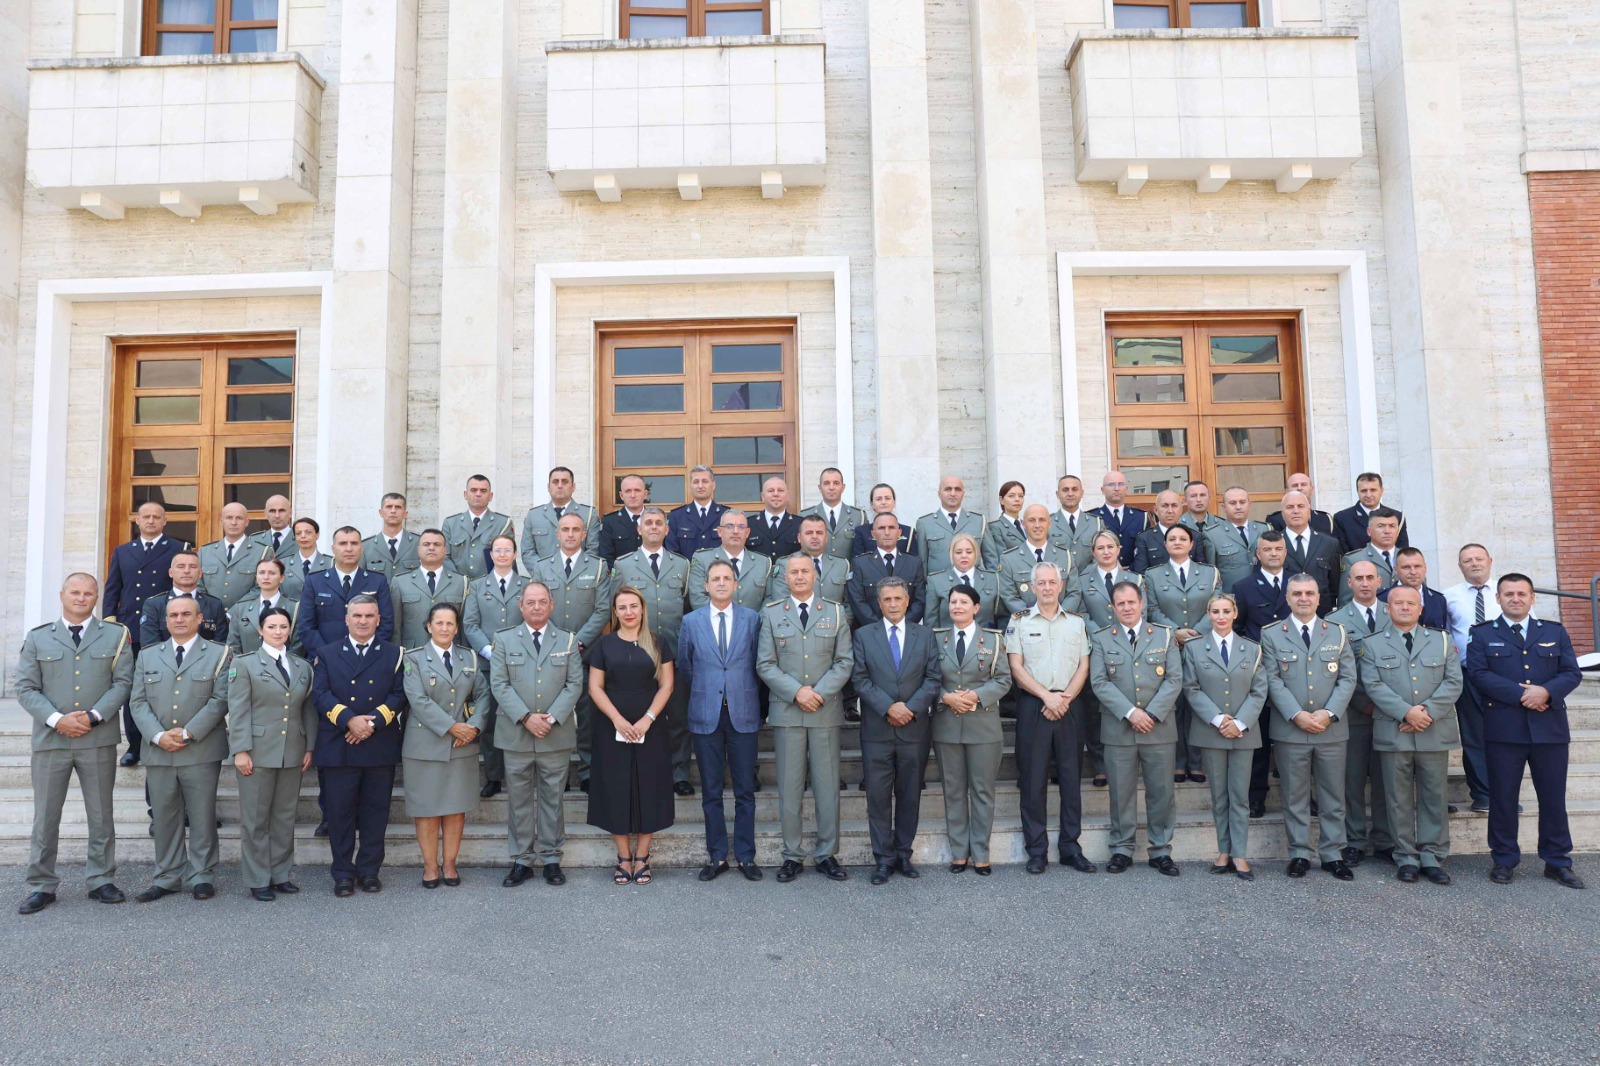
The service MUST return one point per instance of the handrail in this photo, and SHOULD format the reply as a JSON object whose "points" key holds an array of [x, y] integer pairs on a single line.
{"points": [[1593, 596]]}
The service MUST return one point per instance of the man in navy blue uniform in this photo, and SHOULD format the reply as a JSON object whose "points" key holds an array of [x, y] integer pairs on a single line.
{"points": [[138, 571], [1126, 522], [327, 592], [1524, 670], [358, 690], [1262, 596], [694, 525], [1411, 568]]}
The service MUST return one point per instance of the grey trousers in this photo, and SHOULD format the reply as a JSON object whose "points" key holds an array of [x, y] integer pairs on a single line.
{"points": [[1187, 759], [267, 800], [1089, 730], [799, 748], [1228, 777], [1123, 765], [52, 773], [494, 760], [176, 791], [536, 825], [892, 772], [968, 772], [1414, 793], [1297, 765], [1361, 770]]}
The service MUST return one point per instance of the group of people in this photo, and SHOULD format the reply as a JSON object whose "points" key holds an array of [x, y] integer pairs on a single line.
{"points": [[1172, 646]]}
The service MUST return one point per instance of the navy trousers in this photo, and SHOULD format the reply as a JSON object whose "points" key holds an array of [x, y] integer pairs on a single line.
{"points": [[1547, 763], [725, 748], [355, 802], [1469, 716], [1039, 742]]}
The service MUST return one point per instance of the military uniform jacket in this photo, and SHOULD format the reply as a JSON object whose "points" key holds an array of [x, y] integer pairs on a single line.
{"points": [[274, 722], [375, 554], [986, 670], [295, 573], [539, 530], [322, 606], [1080, 542], [1182, 606], [1147, 674], [1396, 681], [1365, 554], [134, 576], [843, 529], [1321, 521], [467, 548], [344, 686], [489, 610], [1353, 617], [688, 534], [666, 596], [56, 676], [1134, 522], [789, 658], [262, 538], [412, 602], [230, 581], [1350, 527], [1202, 527], [582, 603], [1000, 536], [244, 624], [1016, 577], [1237, 688], [437, 699], [1096, 602], [193, 696], [1229, 552], [524, 682], [1260, 604], [833, 575], [867, 569], [1321, 560], [775, 544], [755, 572], [1150, 549], [936, 601], [153, 618], [1301, 679], [1500, 662], [933, 535]]}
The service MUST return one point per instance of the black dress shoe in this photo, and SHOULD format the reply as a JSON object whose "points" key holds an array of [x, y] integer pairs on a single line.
{"points": [[452, 882], [958, 867], [1436, 874], [1501, 875], [683, 788], [1037, 864], [1353, 856], [1165, 865], [430, 882], [344, 887], [1386, 854], [129, 758], [286, 888], [1226, 868], [519, 873], [1480, 807], [1196, 779], [1118, 863], [583, 786], [1564, 875], [204, 890], [370, 883], [1451, 808], [831, 869], [321, 830], [107, 894], [1245, 875], [710, 870], [36, 902], [491, 788], [982, 871], [907, 870], [788, 871], [1099, 781], [1407, 873], [1079, 863], [751, 871], [553, 874], [263, 895], [1339, 870], [1258, 810], [880, 874], [153, 893], [1298, 867]]}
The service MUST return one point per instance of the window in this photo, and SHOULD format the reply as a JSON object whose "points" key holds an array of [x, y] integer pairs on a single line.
{"points": [[1185, 14], [1214, 399], [696, 18], [676, 397], [198, 424], [209, 27]]}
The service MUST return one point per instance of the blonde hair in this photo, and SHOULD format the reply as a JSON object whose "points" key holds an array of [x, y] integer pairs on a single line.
{"points": [[647, 638], [970, 539]]}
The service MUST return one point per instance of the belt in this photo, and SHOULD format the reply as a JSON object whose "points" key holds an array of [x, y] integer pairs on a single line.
{"points": [[1058, 690]]}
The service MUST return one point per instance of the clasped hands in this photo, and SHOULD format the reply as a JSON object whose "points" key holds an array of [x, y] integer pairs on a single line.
{"points": [[1535, 697], [360, 728], [961, 701], [1417, 720], [808, 700], [462, 734], [74, 725], [632, 732], [1313, 721]]}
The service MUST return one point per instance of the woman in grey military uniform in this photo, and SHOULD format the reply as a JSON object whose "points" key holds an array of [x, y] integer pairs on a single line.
{"points": [[444, 689], [1005, 532], [963, 570], [1178, 591], [272, 727], [1226, 689]]}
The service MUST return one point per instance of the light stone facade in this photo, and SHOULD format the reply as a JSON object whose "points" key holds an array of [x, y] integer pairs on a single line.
{"points": [[948, 179]]}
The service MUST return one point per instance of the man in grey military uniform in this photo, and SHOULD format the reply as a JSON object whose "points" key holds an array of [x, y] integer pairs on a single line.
{"points": [[228, 566], [244, 617], [1198, 517], [1070, 525], [833, 573], [1016, 564], [1383, 532], [934, 529], [1412, 675], [1230, 543], [539, 525], [804, 656], [277, 540], [1362, 616], [494, 602], [842, 518], [1312, 666], [414, 593], [73, 677], [536, 672], [579, 586], [753, 568], [180, 699], [469, 533], [392, 550], [1136, 670]]}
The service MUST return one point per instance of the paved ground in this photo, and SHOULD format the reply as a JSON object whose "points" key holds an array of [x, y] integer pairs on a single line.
{"points": [[1013, 969]]}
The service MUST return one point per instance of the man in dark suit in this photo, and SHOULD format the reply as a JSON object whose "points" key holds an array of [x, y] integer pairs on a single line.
{"points": [[619, 530], [1263, 595], [774, 530], [1350, 525], [1150, 545], [1126, 522], [1321, 521], [358, 689], [184, 571], [1524, 670], [1311, 551], [694, 525], [327, 592], [897, 676], [138, 571], [888, 560], [882, 500], [1411, 568]]}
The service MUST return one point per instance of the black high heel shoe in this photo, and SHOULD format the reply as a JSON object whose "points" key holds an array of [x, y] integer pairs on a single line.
{"points": [[620, 876], [430, 882], [641, 876]]}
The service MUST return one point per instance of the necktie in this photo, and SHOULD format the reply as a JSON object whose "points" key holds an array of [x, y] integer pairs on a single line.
{"points": [[1388, 565], [833, 520], [361, 651], [305, 567], [1133, 637], [816, 564], [560, 511], [702, 514], [1183, 577], [569, 569], [635, 520], [449, 667], [502, 586], [805, 616], [537, 649], [735, 563], [347, 586], [655, 563], [394, 548], [77, 635], [1372, 621], [1477, 607], [230, 553], [952, 523], [1109, 584], [284, 670], [1018, 523], [433, 584], [1305, 635], [183, 596], [1274, 584], [1243, 536], [277, 541], [888, 565], [1224, 651], [1408, 644], [1038, 555], [475, 523], [177, 653], [961, 646], [1516, 629], [149, 544], [1072, 522], [722, 632], [894, 646], [262, 618], [1300, 545]]}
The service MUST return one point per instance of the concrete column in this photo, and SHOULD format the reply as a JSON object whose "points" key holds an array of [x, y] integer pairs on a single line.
{"points": [[14, 38], [1016, 267], [362, 443], [476, 294], [902, 245]]}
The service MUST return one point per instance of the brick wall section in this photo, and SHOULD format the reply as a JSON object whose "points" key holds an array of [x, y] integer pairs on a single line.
{"points": [[1566, 245]]}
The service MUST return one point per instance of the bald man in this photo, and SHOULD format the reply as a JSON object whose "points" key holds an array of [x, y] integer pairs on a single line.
{"points": [[278, 538], [1150, 546], [935, 529], [228, 565], [1321, 521]]}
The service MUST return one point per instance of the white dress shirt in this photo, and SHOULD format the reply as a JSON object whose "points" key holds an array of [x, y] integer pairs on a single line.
{"points": [[1461, 603]]}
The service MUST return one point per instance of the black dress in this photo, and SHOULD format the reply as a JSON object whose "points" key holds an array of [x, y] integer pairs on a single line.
{"points": [[630, 785]]}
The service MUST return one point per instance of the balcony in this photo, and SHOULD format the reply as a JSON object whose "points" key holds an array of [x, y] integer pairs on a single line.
{"points": [[179, 132], [1214, 106], [686, 114]]}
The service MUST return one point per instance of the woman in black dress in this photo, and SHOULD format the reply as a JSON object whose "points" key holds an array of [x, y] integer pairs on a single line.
{"points": [[630, 774]]}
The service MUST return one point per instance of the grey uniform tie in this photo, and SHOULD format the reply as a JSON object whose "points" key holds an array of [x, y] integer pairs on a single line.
{"points": [[722, 632]]}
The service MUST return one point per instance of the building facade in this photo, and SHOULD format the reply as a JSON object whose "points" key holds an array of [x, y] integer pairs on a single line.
{"points": [[339, 248]]}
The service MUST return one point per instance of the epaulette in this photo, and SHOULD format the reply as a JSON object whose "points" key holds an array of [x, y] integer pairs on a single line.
{"points": [[776, 602], [944, 629], [1019, 614], [1485, 622], [997, 632], [47, 625], [1108, 628]]}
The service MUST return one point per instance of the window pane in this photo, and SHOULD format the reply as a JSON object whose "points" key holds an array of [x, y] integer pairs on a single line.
{"points": [[1255, 351], [1246, 388], [254, 10], [1153, 479], [169, 374], [273, 407], [734, 23], [166, 462], [257, 461], [657, 451], [254, 496], [172, 497], [261, 39], [746, 358], [1258, 440], [189, 12], [1149, 443], [256, 525], [633, 362], [1255, 477], [657, 26], [1140, 17], [1148, 351], [166, 410], [1217, 16], [743, 451], [664, 490], [742, 488], [637, 399], [1150, 388], [667, 4], [274, 370], [183, 531], [747, 396], [185, 44]]}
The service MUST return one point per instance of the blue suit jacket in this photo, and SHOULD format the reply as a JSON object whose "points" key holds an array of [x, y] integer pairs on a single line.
{"points": [[710, 677], [1133, 523], [322, 604], [344, 686], [1498, 663], [686, 534], [1435, 609], [133, 577], [1259, 607]]}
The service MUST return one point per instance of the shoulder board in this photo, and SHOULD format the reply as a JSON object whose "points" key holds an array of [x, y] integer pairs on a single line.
{"points": [[1019, 614], [944, 629], [824, 599], [1337, 625], [47, 625], [1106, 628], [775, 603], [930, 514], [1158, 625], [996, 632], [508, 629], [1490, 622]]}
